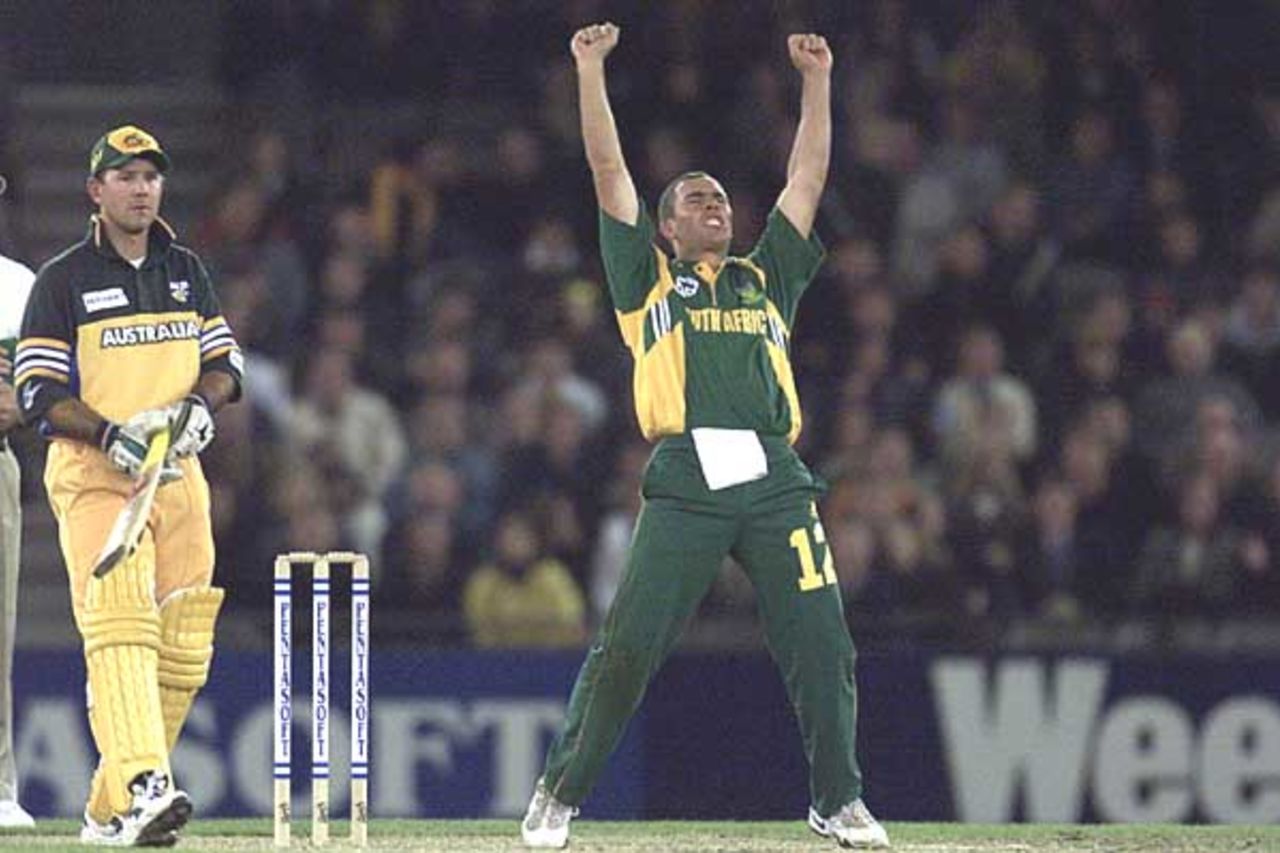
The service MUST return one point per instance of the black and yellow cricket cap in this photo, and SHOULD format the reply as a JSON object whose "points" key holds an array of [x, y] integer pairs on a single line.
{"points": [[119, 146]]}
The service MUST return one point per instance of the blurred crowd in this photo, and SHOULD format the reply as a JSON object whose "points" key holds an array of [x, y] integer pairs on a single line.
{"points": [[1037, 367]]}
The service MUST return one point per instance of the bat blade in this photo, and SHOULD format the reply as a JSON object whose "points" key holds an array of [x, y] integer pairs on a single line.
{"points": [[127, 530]]}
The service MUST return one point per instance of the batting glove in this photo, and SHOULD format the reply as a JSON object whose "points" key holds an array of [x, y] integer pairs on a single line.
{"points": [[125, 446], [193, 426]]}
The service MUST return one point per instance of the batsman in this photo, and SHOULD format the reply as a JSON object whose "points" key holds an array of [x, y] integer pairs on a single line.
{"points": [[710, 335], [122, 337]]}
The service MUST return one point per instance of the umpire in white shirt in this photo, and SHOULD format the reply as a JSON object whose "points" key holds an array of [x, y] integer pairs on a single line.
{"points": [[15, 286]]}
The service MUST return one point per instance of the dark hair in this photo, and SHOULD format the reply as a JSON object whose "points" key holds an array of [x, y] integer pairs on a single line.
{"points": [[667, 201]]}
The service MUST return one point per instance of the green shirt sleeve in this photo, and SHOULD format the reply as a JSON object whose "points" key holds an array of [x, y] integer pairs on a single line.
{"points": [[630, 262], [789, 262]]}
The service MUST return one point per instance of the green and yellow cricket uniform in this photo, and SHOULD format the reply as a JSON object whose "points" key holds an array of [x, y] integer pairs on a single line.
{"points": [[711, 350]]}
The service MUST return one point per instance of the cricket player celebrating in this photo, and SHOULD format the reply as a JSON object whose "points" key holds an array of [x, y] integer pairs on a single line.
{"points": [[710, 336], [123, 335]]}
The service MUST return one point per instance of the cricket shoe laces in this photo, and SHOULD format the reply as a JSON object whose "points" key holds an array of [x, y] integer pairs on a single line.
{"points": [[546, 823], [853, 826]]}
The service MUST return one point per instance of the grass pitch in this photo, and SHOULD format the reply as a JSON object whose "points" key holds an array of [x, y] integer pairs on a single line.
{"points": [[487, 836]]}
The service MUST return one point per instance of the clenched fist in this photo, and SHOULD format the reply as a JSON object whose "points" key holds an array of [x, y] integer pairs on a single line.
{"points": [[592, 44], [809, 52]]}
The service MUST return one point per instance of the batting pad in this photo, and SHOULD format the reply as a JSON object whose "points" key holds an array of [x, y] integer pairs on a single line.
{"points": [[121, 656], [187, 617]]}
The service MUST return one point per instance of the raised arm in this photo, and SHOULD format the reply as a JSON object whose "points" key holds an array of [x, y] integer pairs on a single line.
{"points": [[615, 191], [811, 151]]}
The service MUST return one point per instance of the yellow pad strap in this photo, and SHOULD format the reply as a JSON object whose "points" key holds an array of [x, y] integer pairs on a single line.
{"points": [[103, 630]]}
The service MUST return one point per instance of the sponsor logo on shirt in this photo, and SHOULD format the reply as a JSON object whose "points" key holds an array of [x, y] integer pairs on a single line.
{"points": [[686, 285], [101, 300], [748, 291]]}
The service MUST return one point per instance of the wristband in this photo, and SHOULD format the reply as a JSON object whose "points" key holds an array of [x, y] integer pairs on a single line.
{"points": [[105, 434]]}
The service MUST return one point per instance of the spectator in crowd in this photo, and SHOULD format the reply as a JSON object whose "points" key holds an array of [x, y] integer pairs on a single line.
{"points": [[998, 63], [557, 478], [983, 409], [849, 445], [908, 566], [609, 559], [1023, 257], [1050, 557], [587, 330], [549, 369], [1164, 143], [1090, 364], [1191, 567], [437, 366], [270, 396], [1251, 337], [986, 507], [523, 597], [971, 163], [442, 428], [965, 295], [1165, 410], [358, 432], [240, 233], [1109, 519], [422, 597], [1260, 584], [1090, 191], [1088, 70], [1181, 275]]}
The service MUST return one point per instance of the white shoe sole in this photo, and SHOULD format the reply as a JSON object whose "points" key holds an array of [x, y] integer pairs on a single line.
{"points": [[544, 839], [819, 826]]}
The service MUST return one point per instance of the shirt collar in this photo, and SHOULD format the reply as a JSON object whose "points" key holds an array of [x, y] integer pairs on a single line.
{"points": [[159, 238]]}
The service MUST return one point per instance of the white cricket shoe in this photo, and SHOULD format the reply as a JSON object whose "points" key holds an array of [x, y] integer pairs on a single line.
{"points": [[852, 826], [109, 834], [546, 824], [157, 812], [14, 816]]}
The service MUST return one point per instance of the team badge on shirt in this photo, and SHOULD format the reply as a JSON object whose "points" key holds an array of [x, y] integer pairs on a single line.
{"points": [[748, 291], [686, 285], [180, 290]]}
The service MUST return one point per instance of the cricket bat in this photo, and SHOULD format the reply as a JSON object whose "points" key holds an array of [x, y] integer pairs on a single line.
{"points": [[126, 532]]}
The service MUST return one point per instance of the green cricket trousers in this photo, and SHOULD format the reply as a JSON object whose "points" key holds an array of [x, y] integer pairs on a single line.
{"points": [[771, 528]]}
